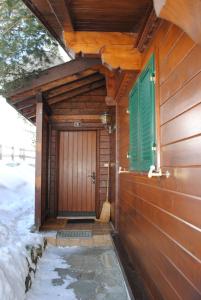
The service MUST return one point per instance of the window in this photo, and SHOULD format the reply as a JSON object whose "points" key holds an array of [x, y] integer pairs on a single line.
{"points": [[142, 120]]}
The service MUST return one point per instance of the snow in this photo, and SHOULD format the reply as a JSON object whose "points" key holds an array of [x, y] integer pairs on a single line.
{"points": [[16, 218], [43, 288]]}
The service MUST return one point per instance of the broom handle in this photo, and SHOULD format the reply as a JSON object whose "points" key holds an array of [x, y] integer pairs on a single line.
{"points": [[108, 178]]}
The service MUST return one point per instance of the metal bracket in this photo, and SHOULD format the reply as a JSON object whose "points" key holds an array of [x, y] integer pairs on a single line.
{"points": [[123, 170], [157, 173], [153, 78]]}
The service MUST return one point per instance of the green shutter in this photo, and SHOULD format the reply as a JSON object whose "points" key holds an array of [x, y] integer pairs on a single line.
{"points": [[134, 128], [142, 120], [147, 116]]}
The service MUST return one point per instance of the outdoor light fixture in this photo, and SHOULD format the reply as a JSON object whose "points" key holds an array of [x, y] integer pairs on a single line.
{"points": [[106, 120], [77, 124]]}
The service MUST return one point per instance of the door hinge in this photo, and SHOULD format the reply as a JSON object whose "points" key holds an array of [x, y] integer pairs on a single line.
{"points": [[153, 78]]}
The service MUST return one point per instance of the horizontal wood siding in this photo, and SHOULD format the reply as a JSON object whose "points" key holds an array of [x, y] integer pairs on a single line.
{"points": [[159, 221]]}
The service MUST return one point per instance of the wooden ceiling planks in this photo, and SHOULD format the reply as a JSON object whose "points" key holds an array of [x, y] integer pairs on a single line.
{"points": [[54, 77], [108, 16], [43, 11], [61, 11], [77, 91], [90, 15], [54, 86], [73, 85]]}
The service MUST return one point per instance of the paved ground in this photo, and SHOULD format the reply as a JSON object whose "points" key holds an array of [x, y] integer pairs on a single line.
{"points": [[79, 273]]}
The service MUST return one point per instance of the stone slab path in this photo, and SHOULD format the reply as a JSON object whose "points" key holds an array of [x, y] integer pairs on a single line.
{"points": [[81, 273]]}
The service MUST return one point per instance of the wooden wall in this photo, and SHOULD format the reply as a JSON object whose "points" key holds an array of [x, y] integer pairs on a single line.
{"points": [[160, 221], [52, 172], [103, 157]]}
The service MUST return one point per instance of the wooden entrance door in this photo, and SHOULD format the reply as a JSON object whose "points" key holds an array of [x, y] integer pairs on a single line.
{"points": [[77, 172]]}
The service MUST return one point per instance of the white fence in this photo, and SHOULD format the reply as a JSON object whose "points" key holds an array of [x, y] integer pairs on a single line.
{"points": [[12, 153]]}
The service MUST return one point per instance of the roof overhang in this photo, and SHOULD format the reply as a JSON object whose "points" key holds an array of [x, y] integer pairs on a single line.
{"points": [[56, 84]]}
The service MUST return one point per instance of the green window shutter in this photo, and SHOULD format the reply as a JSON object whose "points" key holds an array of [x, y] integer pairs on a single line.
{"points": [[142, 120], [134, 128], [147, 116]]}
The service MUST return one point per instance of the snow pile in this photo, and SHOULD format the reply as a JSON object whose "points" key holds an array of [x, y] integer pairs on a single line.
{"points": [[52, 283], [16, 218]]}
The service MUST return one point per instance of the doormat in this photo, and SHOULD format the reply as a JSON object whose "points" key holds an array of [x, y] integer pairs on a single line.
{"points": [[80, 221], [74, 234]]}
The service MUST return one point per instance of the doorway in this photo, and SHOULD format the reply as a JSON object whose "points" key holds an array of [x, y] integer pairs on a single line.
{"points": [[77, 174]]}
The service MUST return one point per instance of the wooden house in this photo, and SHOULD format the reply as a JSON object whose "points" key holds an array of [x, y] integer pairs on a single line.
{"points": [[139, 63]]}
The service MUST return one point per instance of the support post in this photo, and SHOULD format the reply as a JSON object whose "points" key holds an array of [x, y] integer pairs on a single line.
{"points": [[38, 172]]}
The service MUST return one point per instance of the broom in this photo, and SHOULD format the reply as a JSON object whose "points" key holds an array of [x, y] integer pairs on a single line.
{"points": [[105, 213]]}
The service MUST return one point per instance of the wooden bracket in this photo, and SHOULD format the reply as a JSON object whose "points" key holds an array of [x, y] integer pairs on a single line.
{"points": [[115, 48], [146, 35], [112, 78]]}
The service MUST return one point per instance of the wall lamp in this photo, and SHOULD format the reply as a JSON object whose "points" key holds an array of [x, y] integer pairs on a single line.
{"points": [[106, 120]]}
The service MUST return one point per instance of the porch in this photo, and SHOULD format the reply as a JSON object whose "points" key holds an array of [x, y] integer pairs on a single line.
{"points": [[74, 148]]}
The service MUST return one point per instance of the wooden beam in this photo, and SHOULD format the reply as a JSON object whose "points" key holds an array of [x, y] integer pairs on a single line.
{"points": [[125, 85], [115, 48], [25, 104], [70, 125], [184, 13], [38, 169], [76, 111], [73, 118], [53, 77], [40, 98], [30, 111], [61, 11], [43, 11], [148, 31], [77, 92], [73, 85], [81, 99], [112, 79], [22, 98]]}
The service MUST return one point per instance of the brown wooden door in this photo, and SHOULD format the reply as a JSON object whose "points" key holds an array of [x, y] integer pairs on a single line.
{"points": [[77, 162]]}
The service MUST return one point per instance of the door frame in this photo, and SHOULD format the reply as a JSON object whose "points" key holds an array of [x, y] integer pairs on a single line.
{"points": [[97, 196]]}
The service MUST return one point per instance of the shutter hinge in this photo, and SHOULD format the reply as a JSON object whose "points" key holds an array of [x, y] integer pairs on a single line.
{"points": [[153, 78], [153, 148]]}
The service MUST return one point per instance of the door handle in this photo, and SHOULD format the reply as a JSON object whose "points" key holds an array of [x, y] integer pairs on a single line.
{"points": [[93, 177]]}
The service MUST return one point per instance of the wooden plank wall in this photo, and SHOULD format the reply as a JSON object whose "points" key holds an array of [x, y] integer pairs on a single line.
{"points": [[53, 166], [113, 169], [160, 223], [104, 158]]}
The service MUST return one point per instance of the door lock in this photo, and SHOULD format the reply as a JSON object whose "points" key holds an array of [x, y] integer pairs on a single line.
{"points": [[93, 177]]}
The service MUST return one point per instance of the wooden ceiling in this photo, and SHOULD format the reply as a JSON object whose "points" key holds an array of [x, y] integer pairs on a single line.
{"points": [[64, 89], [90, 15], [104, 15]]}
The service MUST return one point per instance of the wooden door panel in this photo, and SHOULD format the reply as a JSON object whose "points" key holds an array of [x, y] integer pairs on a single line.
{"points": [[77, 161]]}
